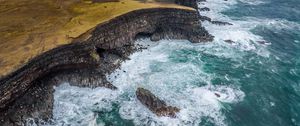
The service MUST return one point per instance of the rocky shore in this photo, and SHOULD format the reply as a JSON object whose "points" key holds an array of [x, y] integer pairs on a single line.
{"points": [[28, 92]]}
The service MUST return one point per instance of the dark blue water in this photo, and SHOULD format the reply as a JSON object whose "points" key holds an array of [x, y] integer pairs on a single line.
{"points": [[272, 9], [276, 79]]}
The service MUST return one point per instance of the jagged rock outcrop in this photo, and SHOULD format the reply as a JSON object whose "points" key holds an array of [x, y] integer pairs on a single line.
{"points": [[107, 39], [157, 23], [153, 103], [205, 18], [204, 9]]}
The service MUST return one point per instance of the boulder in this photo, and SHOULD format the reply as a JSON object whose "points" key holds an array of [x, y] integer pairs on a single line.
{"points": [[153, 103], [229, 41], [218, 95], [204, 9]]}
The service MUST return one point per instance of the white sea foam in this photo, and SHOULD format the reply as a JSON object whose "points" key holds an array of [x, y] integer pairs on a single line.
{"points": [[239, 32], [195, 103], [254, 2], [77, 106], [175, 83], [276, 24]]}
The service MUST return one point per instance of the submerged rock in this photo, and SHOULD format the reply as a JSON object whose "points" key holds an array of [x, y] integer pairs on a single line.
{"points": [[221, 23], [204, 9], [205, 18], [229, 41], [157, 106], [263, 42], [218, 95]]}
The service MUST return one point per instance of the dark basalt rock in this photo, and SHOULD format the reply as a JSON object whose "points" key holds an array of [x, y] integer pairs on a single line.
{"points": [[86, 63], [229, 41], [36, 103], [218, 95], [205, 18], [204, 9], [221, 23], [157, 106], [157, 23]]}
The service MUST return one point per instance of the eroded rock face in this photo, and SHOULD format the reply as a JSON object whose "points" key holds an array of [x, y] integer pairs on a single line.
{"points": [[204, 9], [153, 103], [106, 42], [159, 23], [37, 102], [119, 32]]}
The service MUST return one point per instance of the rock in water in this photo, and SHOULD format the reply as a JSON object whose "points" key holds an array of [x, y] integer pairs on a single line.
{"points": [[204, 9], [205, 18], [157, 106], [229, 41], [220, 23], [263, 42], [218, 95]]}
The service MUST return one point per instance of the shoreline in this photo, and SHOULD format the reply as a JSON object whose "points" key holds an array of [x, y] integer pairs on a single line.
{"points": [[88, 62]]}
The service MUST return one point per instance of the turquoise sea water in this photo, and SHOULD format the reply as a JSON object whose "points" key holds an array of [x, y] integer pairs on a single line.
{"points": [[259, 83], [272, 92]]}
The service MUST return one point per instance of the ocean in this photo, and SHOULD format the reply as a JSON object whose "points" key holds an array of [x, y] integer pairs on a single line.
{"points": [[257, 74]]}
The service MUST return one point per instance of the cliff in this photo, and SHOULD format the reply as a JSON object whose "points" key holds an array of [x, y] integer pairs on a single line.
{"points": [[33, 27], [86, 61]]}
